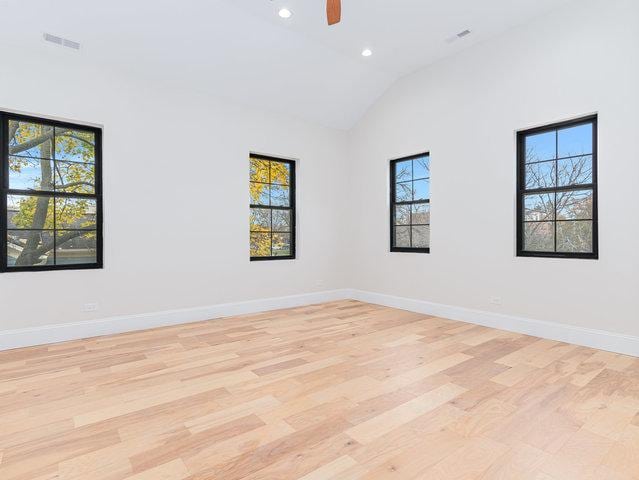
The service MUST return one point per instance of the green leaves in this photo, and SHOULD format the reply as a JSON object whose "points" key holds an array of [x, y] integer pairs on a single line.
{"points": [[47, 160], [74, 145]]}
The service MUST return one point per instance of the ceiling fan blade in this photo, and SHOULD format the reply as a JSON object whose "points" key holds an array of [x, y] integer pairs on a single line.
{"points": [[333, 11]]}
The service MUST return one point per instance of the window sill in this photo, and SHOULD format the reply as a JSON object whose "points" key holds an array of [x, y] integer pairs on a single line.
{"points": [[582, 256], [266, 259], [409, 250]]}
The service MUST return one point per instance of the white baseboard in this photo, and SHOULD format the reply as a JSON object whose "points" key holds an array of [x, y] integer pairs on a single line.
{"points": [[27, 337], [599, 339]]}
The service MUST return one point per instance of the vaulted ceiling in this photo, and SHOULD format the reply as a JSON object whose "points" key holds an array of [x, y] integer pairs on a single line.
{"points": [[242, 50]]}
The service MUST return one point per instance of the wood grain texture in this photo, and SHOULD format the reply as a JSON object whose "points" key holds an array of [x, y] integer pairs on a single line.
{"points": [[344, 390], [333, 11]]}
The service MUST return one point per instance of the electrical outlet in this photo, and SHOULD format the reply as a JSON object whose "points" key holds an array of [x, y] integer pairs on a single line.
{"points": [[90, 307], [495, 301]]}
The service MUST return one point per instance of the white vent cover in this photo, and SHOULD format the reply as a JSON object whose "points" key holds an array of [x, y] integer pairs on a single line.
{"points": [[63, 42]]}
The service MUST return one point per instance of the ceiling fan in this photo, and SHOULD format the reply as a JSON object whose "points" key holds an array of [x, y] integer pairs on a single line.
{"points": [[333, 11]]}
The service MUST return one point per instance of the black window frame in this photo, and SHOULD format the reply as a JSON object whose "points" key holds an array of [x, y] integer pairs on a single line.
{"points": [[522, 190], [5, 191], [292, 208], [394, 203]]}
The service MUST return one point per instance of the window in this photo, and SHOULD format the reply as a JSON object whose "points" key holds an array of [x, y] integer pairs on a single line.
{"points": [[272, 198], [410, 204], [557, 190], [51, 195]]}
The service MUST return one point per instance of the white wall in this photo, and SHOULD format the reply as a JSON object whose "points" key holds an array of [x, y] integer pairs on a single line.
{"points": [[176, 196], [176, 173], [465, 111]]}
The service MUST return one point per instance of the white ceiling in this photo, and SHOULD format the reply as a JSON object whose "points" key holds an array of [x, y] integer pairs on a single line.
{"points": [[242, 50]]}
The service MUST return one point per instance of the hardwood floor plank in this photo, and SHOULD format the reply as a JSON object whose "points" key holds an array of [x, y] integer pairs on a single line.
{"points": [[391, 419], [332, 470], [343, 390], [174, 470]]}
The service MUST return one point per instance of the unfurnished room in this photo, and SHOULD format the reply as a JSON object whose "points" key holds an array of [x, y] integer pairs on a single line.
{"points": [[319, 240]]}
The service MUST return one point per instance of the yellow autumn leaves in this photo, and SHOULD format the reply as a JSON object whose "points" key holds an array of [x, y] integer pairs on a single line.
{"points": [[270, 227]]}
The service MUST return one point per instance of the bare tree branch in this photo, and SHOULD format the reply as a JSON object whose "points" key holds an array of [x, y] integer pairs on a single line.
{"points": [[70, 135], [74, 184], [13, 128], [34, 142], [48, 246]]}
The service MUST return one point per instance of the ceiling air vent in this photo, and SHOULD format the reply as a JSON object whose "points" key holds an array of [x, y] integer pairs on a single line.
{"points": [[457, 36], [63, 42]]}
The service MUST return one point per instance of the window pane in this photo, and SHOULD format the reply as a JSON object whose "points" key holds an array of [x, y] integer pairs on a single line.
{"points": [[74, 177], [75, 213], [280, 173], [575, 171], [28, 248], [281, 244], [74, 145], [27, 174], [259, 193], [402, 214], [260, 220], [421, 189], [260, 244], [29, 212], [559, 220], [574, 205], [541, 175], [259, 170], [75, 247], [539, 237], [421, 236], [30, 139], [575, 140], [541, 146], [420, 214], [271, 228], [403, 171], [421, 168], [404, 192], [539, 207], [410, 225], [46, 159], [281, 220], [280, 196], [402, 237], [575, 237]]}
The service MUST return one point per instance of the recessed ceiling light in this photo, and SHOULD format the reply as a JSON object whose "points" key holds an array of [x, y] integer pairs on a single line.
{"points": [[285, 13], [367, 52]]}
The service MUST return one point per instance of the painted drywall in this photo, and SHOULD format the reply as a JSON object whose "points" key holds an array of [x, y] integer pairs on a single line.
{"points": [[175, 195], [176, 172], [465, 111]]}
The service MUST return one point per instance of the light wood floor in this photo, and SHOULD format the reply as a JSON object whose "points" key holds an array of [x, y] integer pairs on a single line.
{"points": [[343, 390]]}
